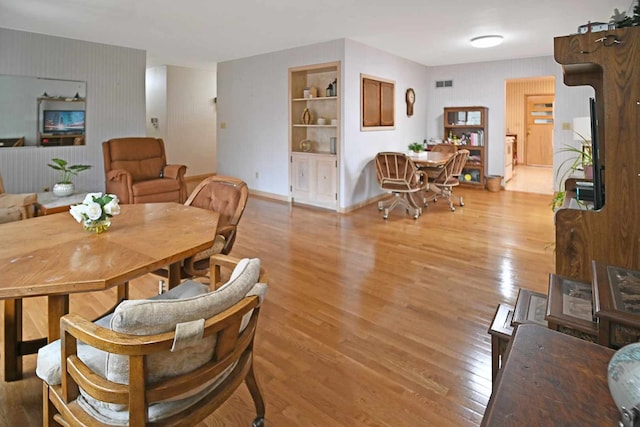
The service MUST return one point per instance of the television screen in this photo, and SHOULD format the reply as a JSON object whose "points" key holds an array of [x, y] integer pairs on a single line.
{"points": [[63, 121]]}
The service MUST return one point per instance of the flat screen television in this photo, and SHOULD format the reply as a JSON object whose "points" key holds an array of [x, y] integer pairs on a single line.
{"points": [[598, 182], [63, 122]]}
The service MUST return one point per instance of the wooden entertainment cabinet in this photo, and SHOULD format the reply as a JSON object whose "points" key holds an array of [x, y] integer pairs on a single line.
{"points": [[609, 61]]}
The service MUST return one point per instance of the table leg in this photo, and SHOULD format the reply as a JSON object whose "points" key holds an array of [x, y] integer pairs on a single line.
{"points": [[174, 274], [12, 338], [58, 307], [123, 292]]}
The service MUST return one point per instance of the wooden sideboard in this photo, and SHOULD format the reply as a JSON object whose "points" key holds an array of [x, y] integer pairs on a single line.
{"points": [[552, 379], [609, 61]]}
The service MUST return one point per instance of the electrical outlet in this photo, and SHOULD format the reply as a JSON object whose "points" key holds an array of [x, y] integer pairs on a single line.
{"points": [[257, 175], [566, 126], [223, 125]]}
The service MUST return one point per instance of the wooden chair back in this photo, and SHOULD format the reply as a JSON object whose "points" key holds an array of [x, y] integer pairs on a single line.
{"points": [[397, 172]]}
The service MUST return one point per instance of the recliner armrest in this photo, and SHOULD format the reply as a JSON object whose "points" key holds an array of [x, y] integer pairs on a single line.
{"points": [[23, 201], [118, 182], [174, 171]]}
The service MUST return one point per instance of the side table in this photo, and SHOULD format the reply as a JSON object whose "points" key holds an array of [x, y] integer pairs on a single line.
{"points": [[500, 331], [49, 204]]}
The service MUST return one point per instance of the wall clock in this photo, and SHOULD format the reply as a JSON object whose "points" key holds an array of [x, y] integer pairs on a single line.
{"points": [[411, 99]]}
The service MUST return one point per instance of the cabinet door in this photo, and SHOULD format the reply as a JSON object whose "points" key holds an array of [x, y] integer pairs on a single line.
{"points": [[326, 180], [371, 102], [301, 179], [387, 110]]}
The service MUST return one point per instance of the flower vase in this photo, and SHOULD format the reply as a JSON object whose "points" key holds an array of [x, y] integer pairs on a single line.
{"points": [[96, 226]]}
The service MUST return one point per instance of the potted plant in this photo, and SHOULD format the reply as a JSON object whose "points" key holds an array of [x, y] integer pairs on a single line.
{"points": [[582, 161], [416, 147], [64, 187]]}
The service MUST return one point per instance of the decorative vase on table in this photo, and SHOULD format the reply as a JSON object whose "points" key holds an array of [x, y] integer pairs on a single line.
{"points": [[63, 189], [96, 226]]}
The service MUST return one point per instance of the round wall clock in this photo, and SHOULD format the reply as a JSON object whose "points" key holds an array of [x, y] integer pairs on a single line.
{"points": [[411, 99]]}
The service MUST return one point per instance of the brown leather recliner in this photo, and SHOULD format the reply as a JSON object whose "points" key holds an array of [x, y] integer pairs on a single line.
{"points": [[136, 171]]}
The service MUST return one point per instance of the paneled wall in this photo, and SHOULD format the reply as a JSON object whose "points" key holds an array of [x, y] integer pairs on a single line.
{"points": [[517, 91], [115, 105]]}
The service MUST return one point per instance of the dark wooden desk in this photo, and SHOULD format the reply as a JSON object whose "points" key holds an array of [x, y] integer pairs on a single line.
{"points": [[552, 379]]}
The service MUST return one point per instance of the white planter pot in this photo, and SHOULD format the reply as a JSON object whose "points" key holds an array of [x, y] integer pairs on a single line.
{"points": [[63, 190]]}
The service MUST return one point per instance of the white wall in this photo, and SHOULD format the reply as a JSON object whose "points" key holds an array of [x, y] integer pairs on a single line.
{"points": [[358, 179], [483, 84], [253, 107], [182, 100], [115, 103]]}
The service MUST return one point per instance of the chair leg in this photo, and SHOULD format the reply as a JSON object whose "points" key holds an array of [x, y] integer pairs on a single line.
{"points": [[48, 410], [256, 394], [406, 200]]}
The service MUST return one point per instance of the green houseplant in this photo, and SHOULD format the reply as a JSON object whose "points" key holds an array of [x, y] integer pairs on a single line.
{"points": [[580, 161], [416, 147], [64, 187]]}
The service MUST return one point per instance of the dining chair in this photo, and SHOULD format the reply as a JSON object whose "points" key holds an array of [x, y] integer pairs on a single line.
{"points": [[448, 178], [398, 174], [171, 360], [433, 172], [227, 196]]}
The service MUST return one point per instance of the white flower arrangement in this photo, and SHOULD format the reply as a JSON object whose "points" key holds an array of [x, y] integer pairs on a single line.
{"points": [[95, 207]]}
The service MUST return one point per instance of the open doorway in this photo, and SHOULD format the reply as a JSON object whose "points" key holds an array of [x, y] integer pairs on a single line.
{"points": [[529, 129]]}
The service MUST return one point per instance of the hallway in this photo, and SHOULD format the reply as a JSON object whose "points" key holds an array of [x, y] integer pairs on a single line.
{"points": [[531, 179]]}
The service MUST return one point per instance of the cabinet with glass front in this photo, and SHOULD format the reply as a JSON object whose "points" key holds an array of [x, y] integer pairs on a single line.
{"points": [[467, 127]]}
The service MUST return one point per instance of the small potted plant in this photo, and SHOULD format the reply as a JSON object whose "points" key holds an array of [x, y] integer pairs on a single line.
{"points": [[64, 187], [416, 147]]}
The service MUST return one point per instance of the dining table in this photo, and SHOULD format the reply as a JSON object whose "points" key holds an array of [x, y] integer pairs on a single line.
{"points": [[430, 159], [54, 256]]}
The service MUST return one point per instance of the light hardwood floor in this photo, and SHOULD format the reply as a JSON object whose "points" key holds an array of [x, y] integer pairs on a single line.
{"points": [[367, 322]]}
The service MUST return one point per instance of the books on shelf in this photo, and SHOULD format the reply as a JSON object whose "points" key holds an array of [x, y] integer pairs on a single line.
{"points": [[476, 138]]}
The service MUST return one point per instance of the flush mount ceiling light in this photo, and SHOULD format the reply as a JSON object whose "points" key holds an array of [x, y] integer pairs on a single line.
{"points": [[486, 41]]}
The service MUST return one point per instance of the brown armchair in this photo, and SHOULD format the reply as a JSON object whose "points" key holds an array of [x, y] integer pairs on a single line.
{"points": [[14, 207], [136, 171]]}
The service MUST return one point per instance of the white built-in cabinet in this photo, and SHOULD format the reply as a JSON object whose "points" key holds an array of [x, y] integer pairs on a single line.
{"points": [[314, 134]]}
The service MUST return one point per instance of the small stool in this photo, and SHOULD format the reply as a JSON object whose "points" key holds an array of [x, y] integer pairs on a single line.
{"points": [[500, 331]]}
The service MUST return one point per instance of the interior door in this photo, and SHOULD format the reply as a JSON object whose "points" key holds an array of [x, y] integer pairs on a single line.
{"points": [[539, 140]]}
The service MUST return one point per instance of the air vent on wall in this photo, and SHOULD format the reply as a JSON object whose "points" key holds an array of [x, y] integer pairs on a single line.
{"points": [[444, 83]]}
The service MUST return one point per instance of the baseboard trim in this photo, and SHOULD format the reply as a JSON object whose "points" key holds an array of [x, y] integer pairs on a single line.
{"points": [[267, 195], [364, 203], [197, 178]]}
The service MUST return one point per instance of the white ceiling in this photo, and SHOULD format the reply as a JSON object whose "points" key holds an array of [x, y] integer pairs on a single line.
{"points": [[199, 33]]}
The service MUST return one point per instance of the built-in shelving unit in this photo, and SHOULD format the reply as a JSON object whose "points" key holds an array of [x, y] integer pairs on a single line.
{"points": [[314, 133]]}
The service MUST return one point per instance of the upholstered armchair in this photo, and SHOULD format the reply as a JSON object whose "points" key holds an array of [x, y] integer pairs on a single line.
{"points": [[14, 207], [136, 171], [169, 360]]}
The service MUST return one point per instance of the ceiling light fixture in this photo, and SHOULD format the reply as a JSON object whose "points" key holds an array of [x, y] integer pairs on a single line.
{"points": [[486, 41]]}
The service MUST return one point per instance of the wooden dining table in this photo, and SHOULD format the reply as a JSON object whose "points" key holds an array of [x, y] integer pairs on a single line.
{"points": [[54, 256], [430, 159]]}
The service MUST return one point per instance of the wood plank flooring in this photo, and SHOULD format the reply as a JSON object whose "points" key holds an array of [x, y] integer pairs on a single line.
{"points": [[367, 322]]}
